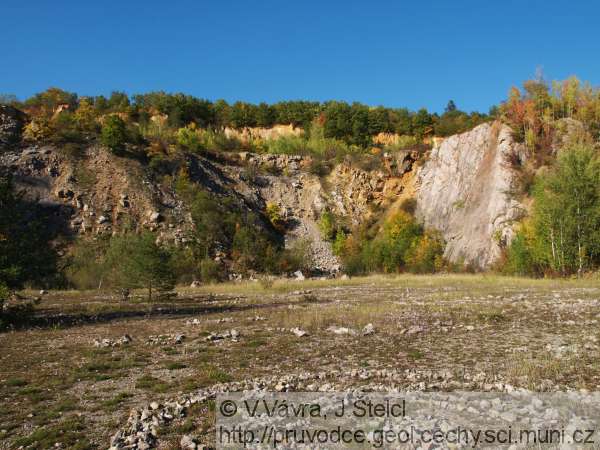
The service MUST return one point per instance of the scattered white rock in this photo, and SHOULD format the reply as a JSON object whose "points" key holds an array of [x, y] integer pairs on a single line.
{"points": [[193, 322], [298, 332], [229, 334], [187, 442], [341, 330], [165, 339], [124, 340], [154, 405], [368, 329]]}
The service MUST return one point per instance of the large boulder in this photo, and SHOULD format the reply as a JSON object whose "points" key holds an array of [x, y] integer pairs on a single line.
{"points": [[465, 192], [11, 126]]}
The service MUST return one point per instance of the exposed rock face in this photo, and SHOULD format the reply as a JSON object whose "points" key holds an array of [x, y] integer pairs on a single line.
{"points": [[356, 193], [11, 125], [464, 191], [300, 197], [275, 132], [96, 196]]}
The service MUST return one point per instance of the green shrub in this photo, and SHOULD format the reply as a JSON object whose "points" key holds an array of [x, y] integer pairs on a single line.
{"points": [[114, 134], [566, 215], [390, 249], [327, 225], [518, 258], [65, 128], [339, 243], [352, 249], [210, 271], [191, 138], [297, 257], [562, 237], [218, 141], [273, 213], [213, 223], [86, 266], [401, 244], [426, 254], [251, 250], [288, 145], [184, 264]]}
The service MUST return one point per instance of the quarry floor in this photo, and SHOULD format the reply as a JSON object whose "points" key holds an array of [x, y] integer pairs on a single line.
{"points": [[70, 382]]}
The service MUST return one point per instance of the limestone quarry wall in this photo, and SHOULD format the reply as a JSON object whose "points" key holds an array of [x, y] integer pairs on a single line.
{"points": [[464, 191], [462, 188]]}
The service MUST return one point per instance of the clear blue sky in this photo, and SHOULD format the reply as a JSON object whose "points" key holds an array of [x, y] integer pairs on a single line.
{"points": [[395, 53]]}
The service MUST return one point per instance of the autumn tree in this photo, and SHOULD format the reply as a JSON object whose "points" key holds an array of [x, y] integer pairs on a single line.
{"points": [[567, 212], [46, 103], [563, 234], [86, 116]]}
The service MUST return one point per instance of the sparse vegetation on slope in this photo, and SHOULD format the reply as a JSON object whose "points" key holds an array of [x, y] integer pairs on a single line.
{"points": [[171, 137]]}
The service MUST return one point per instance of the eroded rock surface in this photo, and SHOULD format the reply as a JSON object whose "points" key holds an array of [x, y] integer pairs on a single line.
{"points": [[465, 192], [462, 188], [11, 125]]}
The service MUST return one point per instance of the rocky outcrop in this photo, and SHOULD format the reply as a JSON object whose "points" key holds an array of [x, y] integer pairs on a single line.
{"points": [[277, 131], [462, 188], [464, 191], [351, 192], [97, 195], [300, 196], [357, 193], [11, 125]]}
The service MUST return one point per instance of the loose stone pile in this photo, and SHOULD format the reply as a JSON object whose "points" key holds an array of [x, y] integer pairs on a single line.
{"points": [[126, 339], [140, 431], [165, 339], [234, 335]]}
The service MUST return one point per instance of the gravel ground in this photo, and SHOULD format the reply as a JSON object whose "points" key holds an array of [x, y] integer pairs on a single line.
{"points": [[89, 383]]}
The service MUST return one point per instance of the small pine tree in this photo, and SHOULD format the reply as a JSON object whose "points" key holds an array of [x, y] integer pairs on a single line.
{"points": [[137, 261]]}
